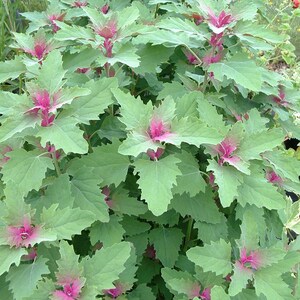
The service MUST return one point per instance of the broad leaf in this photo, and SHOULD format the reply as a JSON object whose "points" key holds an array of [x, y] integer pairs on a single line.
{"points": [[156, 181]]}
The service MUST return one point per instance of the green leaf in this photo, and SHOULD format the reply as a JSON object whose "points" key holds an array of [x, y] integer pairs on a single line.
{"points": [[106, 265], [51, 73], [152, 57], [269, 283], [59, 192], [166, 243], [65, 135], [217, 293], [24, 279], [191, 180], [239, 279], [194, 132], [11, 69], [26, 169], [156, 181], [239, 68], [180, 282], [108, 163], [86, 193], [10, 256], [228, 179], [135, 114], [133, 226], [258, 191], [107, 233], [201, 207], [215, 257], [16, 124], [89, 107], [142, 291], [253, 145], [66, 222], [288, 166], [208, 232], [126, 54]]}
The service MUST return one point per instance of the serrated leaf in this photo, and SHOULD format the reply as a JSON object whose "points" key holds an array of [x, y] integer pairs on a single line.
{"points": [[180, 282], [65, 135], [51, 73], [133, 226], [87, 194], [239, 68], [239, 279], [14, 125], [105, 266], [201, 207], [11, 69], [288, 166], [270, 284], [215, 257], [166, 243], [26, 169], [107, 233], [258, 191], [89, 107], [23, 279], [253, 145], [191, 180], [9, 256], [108, 163], [152, 57], [228, 179], [59, 192], [135, 114], [156, 181], [142, 291], [217, 293], [66, 222], [126, 54]]}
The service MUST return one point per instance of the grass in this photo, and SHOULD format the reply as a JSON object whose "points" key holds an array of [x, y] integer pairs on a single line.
{"points": [[10, 20]]}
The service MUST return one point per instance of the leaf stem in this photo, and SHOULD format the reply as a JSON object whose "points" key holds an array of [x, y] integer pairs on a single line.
{"points": [[56, 165], [188, 234]]}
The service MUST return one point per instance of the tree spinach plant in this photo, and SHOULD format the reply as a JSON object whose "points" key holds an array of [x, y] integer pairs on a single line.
{"points": [[142, 155]]}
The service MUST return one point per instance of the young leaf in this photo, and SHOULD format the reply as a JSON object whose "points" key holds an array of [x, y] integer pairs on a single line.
{"points": [[11, 69]]}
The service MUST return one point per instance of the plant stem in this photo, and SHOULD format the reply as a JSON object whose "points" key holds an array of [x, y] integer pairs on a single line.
{"points": [[188, 234], [56, 165]]}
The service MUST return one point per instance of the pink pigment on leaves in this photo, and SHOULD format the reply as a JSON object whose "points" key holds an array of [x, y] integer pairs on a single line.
{"points": [[71, 289], [150, 252], [192, 59], [280, 99], [197, 18], [195, 293], [226, 151], [106, 191], [105, 9], [220, 21], [40, 49], [45, 106], [53, 18], [80, 3], [155, 155], [252, 261], [83, 70], [115, 292], [24, 235], [216, 41], [274, 178], [158, 131], [211, 59], [108, 31]]}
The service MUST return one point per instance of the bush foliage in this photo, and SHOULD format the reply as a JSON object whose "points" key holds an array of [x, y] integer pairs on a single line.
{"points": [[143, 157]]}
